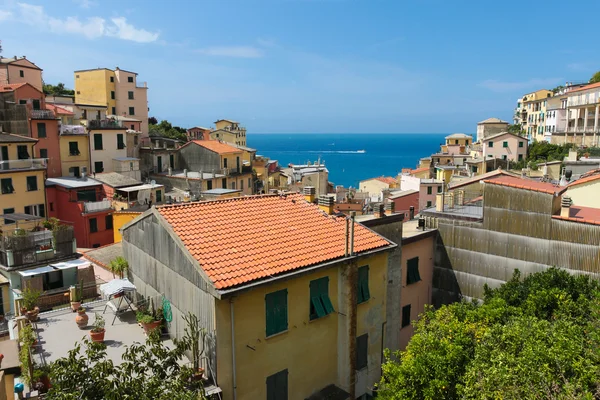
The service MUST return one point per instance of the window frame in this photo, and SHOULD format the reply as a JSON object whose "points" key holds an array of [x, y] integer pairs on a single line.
{"points": [[120, 141], [27, 180], [429, 189], [96, 167], [131, 110], [45, 155], [96, 137], [39, 131], [362, 352], [505, 144], [490, 144], [130, 95], [276, 312], [8, 185], [319, 302], [74, 150], [22, 151]]}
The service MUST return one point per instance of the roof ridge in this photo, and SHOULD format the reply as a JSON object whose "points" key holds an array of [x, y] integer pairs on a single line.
{"points": [[231, 199]]}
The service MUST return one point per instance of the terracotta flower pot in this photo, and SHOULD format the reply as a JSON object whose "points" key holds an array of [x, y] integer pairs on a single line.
{"points": [[81, 319], [75, 305], [151, 326], [32, 315], [97, 336], [197, 376]]}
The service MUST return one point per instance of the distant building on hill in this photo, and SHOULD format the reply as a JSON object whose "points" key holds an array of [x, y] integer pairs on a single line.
{"points": [[489, 127], [375, 186], [229, 131], [15, 70]]}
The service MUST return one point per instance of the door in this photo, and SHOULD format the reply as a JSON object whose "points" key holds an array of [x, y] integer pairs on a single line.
{"points": [[158, 196], [159, 164], [4, 157], [172, 161]]}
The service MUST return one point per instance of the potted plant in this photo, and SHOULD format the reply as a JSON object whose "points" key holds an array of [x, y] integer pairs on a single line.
{"points": [[28, 302], [27, 340], [119, 266], [196, 337], [149, 318], [97, 332], [77, 297], [41, 377], [82, 318]]}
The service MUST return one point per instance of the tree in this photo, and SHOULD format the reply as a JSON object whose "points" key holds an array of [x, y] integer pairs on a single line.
{"points": [[150, 371], [532, 338], [119, 266], [152, 121], [58, 90], [166, 129], [595, 78], [517, 129]]}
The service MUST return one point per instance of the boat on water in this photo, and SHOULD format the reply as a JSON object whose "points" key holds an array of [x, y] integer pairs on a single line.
{"points": [[361, 151]]}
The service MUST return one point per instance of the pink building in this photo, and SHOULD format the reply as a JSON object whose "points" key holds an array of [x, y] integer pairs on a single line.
{"points": [[198, 133], [405, 199], [427, 189], [506, 146]]}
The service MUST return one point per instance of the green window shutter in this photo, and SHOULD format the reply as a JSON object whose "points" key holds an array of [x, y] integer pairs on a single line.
{"points": [[490, 144], [429, 190], [504, 144], [362, 291], [406, 315], [120, 143], [320, 303], [412, 272], [41, 126], [276, 312], [277, 386], [362, 347], [97, 141], [521, 144]]}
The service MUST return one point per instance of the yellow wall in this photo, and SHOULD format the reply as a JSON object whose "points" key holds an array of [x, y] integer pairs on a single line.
{"points": [[231, 160], [94, 87], [120, 219], [443, 174], [67, 160], [463, 142], [308, 349], [585, 194]]}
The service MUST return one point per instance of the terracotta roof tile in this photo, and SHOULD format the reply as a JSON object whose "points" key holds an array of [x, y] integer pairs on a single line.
{"points": [[245, 239], [216, 146], [9, 87], [586, 215], [587, 87], [58, 110], [387, 179], [587, 177], [527, 184]]}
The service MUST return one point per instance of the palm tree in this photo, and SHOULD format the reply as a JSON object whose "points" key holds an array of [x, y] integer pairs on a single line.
{"points": [[119, 266]]}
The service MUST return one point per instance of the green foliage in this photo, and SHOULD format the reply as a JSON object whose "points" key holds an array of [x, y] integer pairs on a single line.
{"points": [[27, 339], [58, 90], [531, 338], [595, 78], [196, 336], [164, 128], [99, 323], [147, 315], [78, 295], [517, 129], [119, 266], [30, 298], [557, 89]]}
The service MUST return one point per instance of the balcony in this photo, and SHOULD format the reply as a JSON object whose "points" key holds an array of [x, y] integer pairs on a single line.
{"points": [[104, 124], [72, 130], [95, 206], [41, 114], [28, 164]]}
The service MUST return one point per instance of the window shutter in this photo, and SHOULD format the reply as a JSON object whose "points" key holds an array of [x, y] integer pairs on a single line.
{"points": [[363, 293], [412, 273], [283, 314], [362, 347], [271, 387]]}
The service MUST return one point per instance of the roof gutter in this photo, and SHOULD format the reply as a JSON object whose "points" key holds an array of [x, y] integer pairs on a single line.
{"points": [[303, 271]]}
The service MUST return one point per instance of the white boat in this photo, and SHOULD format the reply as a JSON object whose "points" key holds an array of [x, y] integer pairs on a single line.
{"points": [[361, 151]]}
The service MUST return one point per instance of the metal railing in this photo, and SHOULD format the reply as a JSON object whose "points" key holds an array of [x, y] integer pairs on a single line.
{"points": [[22, 247], [29, 163], [42, 114], [72, 130], [95, 206], [104, 124]]}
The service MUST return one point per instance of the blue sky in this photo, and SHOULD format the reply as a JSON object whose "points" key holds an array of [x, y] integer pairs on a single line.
{"points": [[314, 65]]}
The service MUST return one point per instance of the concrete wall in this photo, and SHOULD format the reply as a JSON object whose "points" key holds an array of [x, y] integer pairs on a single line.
{"points": [[403, 204], [489, 129], [373, 187], [21, 198], [93, 87], [585, 194], [120, 218], [139, 101], [196, 158]]}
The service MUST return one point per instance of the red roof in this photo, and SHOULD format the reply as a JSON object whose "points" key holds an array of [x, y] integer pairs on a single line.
{"points": [[58, 110], [527, 184], [11, 87], [416, 171], [215, 146], [246, 239], [590, 86], [587, 177], [586, 215], [387, 179]]}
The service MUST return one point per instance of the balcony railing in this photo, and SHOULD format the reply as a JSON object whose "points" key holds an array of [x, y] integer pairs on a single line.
{"points": [[95, 206], [22, 247], [104, 124], [72, 130], [41, 114], [30, 163]]}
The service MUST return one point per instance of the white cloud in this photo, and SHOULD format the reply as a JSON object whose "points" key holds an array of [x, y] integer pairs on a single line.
{"points": [[503, 87], [4, 15], [232, 51], [85, 4], [91, 28]]}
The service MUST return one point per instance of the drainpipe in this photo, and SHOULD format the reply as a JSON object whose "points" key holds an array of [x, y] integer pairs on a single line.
{"points": [[233, 349], [352, 216]]}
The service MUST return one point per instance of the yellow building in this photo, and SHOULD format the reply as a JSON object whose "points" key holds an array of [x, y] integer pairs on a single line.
{"points": [[229, 131], [21, 178], [293, 323], [74, 153], [120, 218], [533, 113], [375, 186]]}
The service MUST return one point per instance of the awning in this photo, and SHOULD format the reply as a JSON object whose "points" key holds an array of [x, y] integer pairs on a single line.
{"points": [[140, 187], [116, 286], [71, 264], [37, 271]]}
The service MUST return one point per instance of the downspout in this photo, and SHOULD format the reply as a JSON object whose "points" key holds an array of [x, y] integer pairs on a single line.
{"points": [[352, 216], [233, 349], [347, 238]]}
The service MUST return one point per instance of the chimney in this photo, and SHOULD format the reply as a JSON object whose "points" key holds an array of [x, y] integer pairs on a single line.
{"points": [[378, 210], [170, 171], [565, 206], [411, 213], [309, 193], [439, 202], [459, 198], [390, 208], [185, 173], [326, 203]]}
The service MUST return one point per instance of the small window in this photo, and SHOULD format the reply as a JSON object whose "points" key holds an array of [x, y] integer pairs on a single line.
{"points": [[78, 92], [135, 140], [98, 167], [94, 226], [98, 141], [73, 149], [320, 304], [130, 95], [277, 386], [406, 316], [108, 220], [43, 153], [504, 157], [41, 129], [362, 350], [521, 144], [429, 203], [520, 157], [276, 312], [504, 144], [439, 189], [112, 78], [8, 211], [429, 190], [21, 73], [74, 171], [456, 141], [51, 206], [130, 79], [490, 144], [114, 110], [412, 271], [224, 183], [131, 111], [77, 76], [7, 186], [22, 153], [224, 162], [112, 94], [208, 185], [120, 142], [32, 183], [362, 291]]}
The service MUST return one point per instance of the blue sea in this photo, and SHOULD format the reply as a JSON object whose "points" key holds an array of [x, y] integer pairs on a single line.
{"points": [[385, 154]]}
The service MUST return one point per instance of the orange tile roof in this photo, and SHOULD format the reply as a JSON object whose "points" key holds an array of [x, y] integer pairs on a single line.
{"points": [[416, 171], [587, 177], [590, 86], [586, 215], [387, 179], [245, 239], [527, 184], [11, 87], [216, 146], [58, 110]]}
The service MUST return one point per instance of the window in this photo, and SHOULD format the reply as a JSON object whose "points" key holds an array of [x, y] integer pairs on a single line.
{"points": [[320, 304], [233, 185], [7, 186], [51, 206], [429, 190], [38, 210], [131, 110], [135, 140], [112, 94], [242, 184], [21, 73], [158, 196], [130, 95], [108, 221], [97, 141], [94, 227], [490, 144], [362, 290], [132, 127], [276, 312], [456, 141], [521, 144], [98, 167], [208, 185], [224, 162], [504, 157], [32, 183], [130, 79], [504, 144], [114, 110], [249, 183], [412, 271], [224, 183], [429, 203], [22, 153], [73, 149], [8, 211], [112, 78], [120, 143], [41, 128], [277, 386], [362, 347], [439, 189], [86, 195], [520, 157], [405, 316], [74, 171]]}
